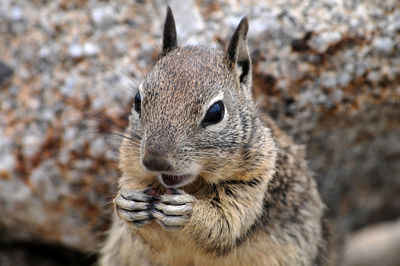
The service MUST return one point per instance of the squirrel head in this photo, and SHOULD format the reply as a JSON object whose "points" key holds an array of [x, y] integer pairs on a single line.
{"points": [[193, 114]]}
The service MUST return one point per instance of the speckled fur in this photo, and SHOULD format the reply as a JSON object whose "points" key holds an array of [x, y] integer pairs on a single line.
{"points": [[256, 202]]}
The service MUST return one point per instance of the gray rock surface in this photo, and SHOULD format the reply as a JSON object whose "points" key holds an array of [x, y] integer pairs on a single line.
{"points": [[5, 72], [374, 245], [327, 71]]}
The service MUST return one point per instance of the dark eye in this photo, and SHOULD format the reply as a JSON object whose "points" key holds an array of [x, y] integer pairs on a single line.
{"points": [[138, 102], [214, 114]]}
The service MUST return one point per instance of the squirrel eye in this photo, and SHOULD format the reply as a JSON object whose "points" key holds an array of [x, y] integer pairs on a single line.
{"points": [[214, 114], [138, 102]]}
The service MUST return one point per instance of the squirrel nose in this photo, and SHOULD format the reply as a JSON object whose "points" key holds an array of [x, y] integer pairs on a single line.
{"points": [[156, 163]]}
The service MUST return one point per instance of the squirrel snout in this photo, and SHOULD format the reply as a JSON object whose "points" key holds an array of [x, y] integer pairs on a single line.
{"points": [[155, 162]]}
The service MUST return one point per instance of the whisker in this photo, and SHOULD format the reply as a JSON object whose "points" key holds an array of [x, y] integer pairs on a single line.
{"points": [[127, 83], [116, 134]]}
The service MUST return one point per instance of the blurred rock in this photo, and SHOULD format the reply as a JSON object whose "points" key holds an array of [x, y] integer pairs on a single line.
{"points": [[5, 72], [327, 71], [375, 245], [102, 16]]}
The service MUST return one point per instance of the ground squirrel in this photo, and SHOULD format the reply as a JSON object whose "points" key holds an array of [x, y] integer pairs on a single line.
{"points": [[207, 180]]}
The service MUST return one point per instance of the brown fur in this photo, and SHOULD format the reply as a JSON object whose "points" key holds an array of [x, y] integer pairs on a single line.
{"points": [[255, 200]]}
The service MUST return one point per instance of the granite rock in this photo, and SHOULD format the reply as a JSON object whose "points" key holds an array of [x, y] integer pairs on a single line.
{"points": [[5, 72]]}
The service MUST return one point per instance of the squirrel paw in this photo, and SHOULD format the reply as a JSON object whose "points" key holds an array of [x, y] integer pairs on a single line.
{"points": [[134, 206], [173, 210]]}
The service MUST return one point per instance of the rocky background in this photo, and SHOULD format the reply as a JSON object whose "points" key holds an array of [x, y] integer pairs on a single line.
{"points": [[327, 71]]}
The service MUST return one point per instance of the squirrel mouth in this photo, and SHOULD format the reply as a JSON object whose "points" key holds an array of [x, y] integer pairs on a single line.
{"points": [[175, 180]]}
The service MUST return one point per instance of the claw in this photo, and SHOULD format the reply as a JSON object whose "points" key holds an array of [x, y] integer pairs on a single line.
{"points": [[134, 206], [170, 221], [134, 216], [173, 210], [130, 205], [152, 207], [135, 195]]}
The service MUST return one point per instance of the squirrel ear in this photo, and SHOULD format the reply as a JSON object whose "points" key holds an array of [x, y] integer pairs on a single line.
{"points": [[169, 36], [238, 53]]}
